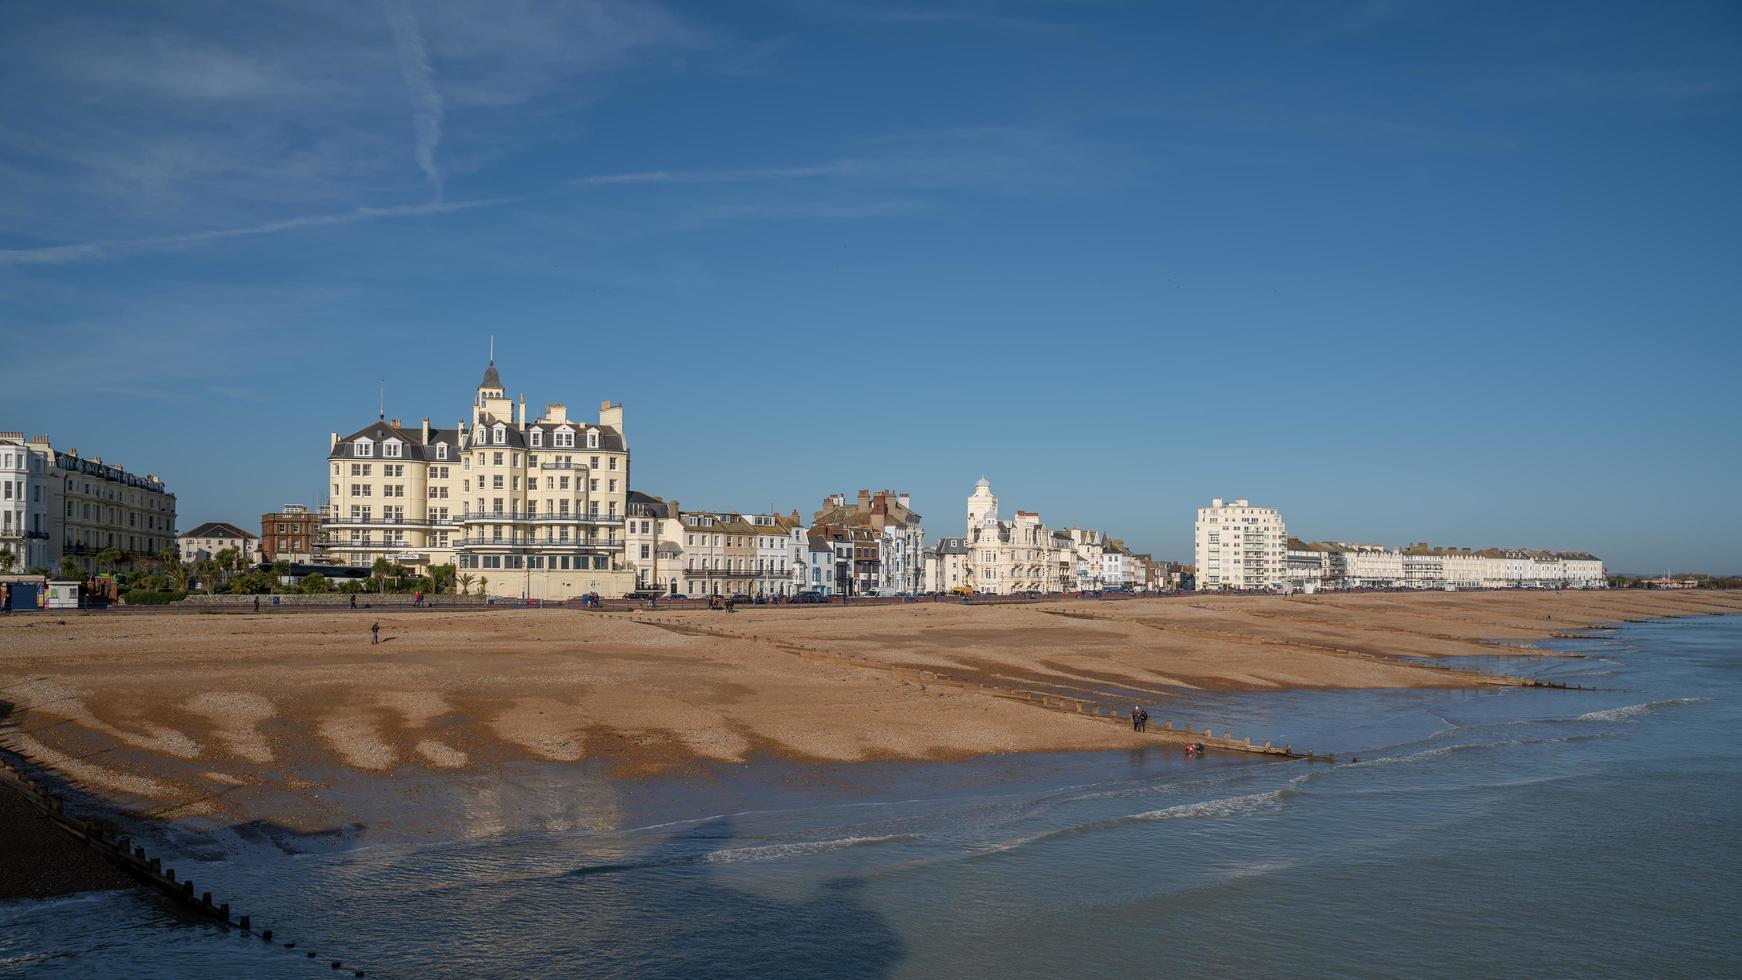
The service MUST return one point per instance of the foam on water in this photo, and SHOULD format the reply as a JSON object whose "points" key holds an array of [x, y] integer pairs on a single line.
{"points": [[1634, 710]]}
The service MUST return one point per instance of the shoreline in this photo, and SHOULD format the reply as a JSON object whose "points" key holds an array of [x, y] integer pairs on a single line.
{"points": [[208, 727]]}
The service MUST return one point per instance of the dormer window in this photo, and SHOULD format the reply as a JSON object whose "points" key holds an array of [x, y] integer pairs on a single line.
{"points": [[363, 447], [501, 434], [537, 438], [592, 438], [441, 450], [392, 448], [563, 438]]}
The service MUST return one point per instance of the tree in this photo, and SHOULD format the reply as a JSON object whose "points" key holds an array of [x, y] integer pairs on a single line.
{"points": [[70, 569], [230, 560], [465, 581], [483, 583], [441, 578], [380, 569], [8, 558], [314, 583], [209, 572], [109, 559]]}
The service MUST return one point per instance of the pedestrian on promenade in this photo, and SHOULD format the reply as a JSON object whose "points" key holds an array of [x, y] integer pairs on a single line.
{"points": [[353, 600], [256, 603], [375, 634]]}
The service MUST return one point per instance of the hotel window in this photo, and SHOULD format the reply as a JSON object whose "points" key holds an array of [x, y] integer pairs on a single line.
{"points": [[390, 448], [593, 485], [441, 450], [364, 447], [501, 438], [595, 463], [537, 438], [592, 439], [613, 462]]}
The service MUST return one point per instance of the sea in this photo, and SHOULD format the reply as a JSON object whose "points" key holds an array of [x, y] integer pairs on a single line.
{"points": [[1502, 832]]}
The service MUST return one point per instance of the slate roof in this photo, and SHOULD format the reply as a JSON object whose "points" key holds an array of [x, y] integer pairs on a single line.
{"points": [[491, 378], [217, 529]]}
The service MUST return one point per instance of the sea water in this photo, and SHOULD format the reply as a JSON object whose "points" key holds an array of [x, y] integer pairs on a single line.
{"points": [[1499, 832]]}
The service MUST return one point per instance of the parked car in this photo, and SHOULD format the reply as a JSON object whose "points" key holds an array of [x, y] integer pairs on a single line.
{"points": [[677, 595], [809, 598]]}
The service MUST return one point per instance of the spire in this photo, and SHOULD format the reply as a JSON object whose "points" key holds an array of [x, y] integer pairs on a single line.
{"points": [[491, 378]]}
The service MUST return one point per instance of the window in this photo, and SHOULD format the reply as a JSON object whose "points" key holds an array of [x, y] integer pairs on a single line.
{"points": [[613, 462], [496, 459], [501, 438], [442, 452], [537, 440], [593, 440], [595, 463], [391, 448], [362, 447]]}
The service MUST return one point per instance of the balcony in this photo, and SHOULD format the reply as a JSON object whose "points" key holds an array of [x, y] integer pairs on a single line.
{"points": [[511, 516], [530, 541], [339, 522]]}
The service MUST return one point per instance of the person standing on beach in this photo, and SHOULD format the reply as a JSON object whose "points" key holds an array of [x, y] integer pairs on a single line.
{"points": [[256, 603], [375, 634], [353, 600]]}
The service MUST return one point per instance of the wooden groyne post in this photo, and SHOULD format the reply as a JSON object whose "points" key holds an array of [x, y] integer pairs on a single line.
{"points": [[121, 851]]}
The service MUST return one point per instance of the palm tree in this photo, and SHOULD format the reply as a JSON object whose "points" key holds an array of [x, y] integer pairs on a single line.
{"points": [[209, 570], [109, 559], [483, 583], [227, 559], [8, 558], [381, 569], [71, 570], [466, 583]]}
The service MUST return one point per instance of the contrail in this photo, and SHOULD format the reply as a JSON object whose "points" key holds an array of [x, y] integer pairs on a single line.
{"points": [[426, 101], [55, 254]]}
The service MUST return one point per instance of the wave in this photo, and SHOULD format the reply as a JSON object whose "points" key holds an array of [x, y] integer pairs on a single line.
{"points": [[1633, 710], [1232, 806], [777, 852]]}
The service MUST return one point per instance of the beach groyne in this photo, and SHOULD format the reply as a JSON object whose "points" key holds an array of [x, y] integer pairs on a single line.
{"points": [[27, 780]]}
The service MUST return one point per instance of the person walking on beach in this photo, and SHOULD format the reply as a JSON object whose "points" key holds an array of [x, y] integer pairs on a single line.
{"points": [[375, 634], [353, 600], [257, 604]]}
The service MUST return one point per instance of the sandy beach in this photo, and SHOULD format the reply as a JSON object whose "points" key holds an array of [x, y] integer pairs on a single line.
{"points": [[226, 717]]}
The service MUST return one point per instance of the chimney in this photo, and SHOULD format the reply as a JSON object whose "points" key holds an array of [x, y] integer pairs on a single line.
{"points": [[335, 443], [426, 430], [393, 422], [864, 498], [611, 416], [520, 414], [903, 499], [1216, 502]]}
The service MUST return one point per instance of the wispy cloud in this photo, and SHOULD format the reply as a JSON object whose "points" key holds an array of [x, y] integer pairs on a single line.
{"points": [[747, 175], [105, 249], [426, 100], [969, 15]]}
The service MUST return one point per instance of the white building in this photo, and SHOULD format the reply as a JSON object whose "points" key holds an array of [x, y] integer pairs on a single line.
{"points": [[1239, 546], [209, 539], [946, 566], [63, 505]]}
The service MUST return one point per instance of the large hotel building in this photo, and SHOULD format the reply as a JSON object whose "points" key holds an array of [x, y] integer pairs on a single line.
{"points": [[532, 507]]}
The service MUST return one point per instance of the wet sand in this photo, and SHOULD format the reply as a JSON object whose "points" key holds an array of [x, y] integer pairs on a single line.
{"points": [[242, 717]]}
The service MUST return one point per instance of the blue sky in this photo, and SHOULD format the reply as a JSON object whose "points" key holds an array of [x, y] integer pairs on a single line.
{"points": [[1458, 272]]}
